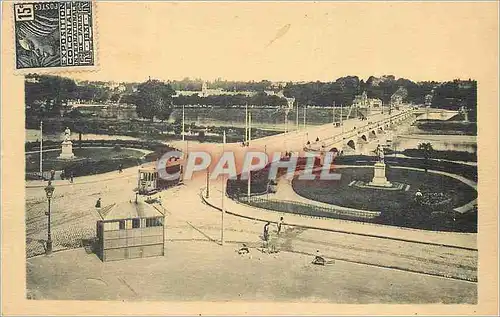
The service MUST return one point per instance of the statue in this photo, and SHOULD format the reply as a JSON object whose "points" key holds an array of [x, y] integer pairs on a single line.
{"points": [[380, 152], [67, 134], [66, 147]]}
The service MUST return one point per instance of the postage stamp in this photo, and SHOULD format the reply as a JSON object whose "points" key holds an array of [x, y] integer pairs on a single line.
{"points": [[54, 34]]}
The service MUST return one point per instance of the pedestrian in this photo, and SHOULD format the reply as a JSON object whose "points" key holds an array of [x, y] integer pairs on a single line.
{"points": [[318, 259], [52, 175], [280, 225], [266, 231], [418, 196], [98, 203], [71, 175], [120, 168], [244, 249]]}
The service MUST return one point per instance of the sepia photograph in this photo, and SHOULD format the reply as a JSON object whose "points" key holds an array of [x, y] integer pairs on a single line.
{"points": [[275, 152]]}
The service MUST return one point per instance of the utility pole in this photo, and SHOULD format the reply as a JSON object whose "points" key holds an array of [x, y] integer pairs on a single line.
{"points": [[286, 121], [297, 117], [249, 184], [249, 127], [41, 149], [333, 113], [341, 119], [305, 113], [183, 131], [223, 193], [246, 123], [208, 183]]}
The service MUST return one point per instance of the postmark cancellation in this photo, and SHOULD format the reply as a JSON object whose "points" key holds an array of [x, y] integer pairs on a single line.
{"points": [[56, 34]]}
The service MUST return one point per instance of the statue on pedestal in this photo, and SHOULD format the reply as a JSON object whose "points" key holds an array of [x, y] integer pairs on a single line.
{"points": [[67, 134], [380, 153], [67, 147], [379, 178]]}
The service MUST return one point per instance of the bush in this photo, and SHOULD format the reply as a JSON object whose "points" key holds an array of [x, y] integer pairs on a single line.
{"points": [[92, 167], [446, 155]]}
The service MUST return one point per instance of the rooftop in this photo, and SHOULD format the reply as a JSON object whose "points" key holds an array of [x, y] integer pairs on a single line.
{"points": [[129, 209]]}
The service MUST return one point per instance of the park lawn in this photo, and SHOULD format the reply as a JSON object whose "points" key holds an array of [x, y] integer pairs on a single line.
{"points": [[96, 154], [339, 193]]}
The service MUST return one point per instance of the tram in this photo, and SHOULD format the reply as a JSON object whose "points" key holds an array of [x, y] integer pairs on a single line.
{"points": [[149, 182]]}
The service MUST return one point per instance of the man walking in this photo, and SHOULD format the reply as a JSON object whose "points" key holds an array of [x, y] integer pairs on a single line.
{"points": [[280, 225], [98, 204], [266, 231]]}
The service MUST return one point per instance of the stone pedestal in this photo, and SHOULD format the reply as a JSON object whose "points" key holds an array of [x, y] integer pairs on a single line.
{"points": [[379, 178], [66, 151]]}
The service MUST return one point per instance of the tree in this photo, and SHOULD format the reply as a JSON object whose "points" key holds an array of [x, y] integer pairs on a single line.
{"points": [[154, 99], [49, 91], [427, 149]]}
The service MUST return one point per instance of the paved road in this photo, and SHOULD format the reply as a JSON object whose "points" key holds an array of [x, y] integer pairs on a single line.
{"points": [[205, 271]]}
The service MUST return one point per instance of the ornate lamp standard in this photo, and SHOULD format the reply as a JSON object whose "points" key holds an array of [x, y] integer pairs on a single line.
{"points": [[49, 190]]}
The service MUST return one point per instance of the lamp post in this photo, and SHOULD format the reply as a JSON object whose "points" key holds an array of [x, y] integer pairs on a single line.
{"points": [[208, 183], [49, 190]]}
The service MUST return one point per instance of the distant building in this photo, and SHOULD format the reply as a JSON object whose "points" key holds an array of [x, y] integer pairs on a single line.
{"points": [[428, 100], [362, 101], [206, 91]]}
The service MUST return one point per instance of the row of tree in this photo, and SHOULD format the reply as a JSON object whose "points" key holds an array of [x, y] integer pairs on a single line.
{"points": [[154, 98], [344, 89], [188, 84]]}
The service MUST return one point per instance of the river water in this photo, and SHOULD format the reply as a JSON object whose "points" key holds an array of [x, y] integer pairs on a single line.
{"points": [[407, 138]]}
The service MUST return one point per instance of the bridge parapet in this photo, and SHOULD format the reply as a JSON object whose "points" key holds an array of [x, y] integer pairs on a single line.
{"points": [[338, 138]]}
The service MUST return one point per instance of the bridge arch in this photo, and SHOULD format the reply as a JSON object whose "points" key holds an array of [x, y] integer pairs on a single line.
{"points": [[351, 144]]}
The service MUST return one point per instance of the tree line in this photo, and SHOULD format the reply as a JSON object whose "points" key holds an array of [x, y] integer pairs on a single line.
{"points": [[155, 98]]}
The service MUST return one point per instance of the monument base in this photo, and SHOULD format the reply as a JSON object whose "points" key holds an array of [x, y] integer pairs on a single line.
{"points": [[379, 179], [66, 151]]}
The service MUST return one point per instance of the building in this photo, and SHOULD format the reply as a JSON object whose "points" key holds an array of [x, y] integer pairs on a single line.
{"points": [[362, 101], [396, 100], [428, 100], [206, 91], [129, 230]]}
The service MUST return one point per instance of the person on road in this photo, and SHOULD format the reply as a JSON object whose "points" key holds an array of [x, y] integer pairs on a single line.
{"points": [[280, 225], [318, 259], [244, 249], [98, 203], [266, 231], [71, 176], [52, 174], [120, 168]]}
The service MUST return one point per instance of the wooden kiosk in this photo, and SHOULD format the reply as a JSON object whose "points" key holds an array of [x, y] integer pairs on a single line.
{"points": [[133, 229]]}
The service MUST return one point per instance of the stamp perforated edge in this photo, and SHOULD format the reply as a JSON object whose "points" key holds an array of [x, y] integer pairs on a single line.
{"points": [[63, 69]]}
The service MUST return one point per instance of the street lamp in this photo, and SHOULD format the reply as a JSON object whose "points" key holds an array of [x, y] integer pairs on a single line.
{"points": [[208, 183], [49, 190]]}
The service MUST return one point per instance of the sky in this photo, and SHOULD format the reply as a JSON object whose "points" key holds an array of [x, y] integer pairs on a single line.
{"points": [[291, 41]]}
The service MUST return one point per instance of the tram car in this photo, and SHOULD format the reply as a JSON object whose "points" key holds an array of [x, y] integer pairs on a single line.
{"points": [[149, 182]]}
